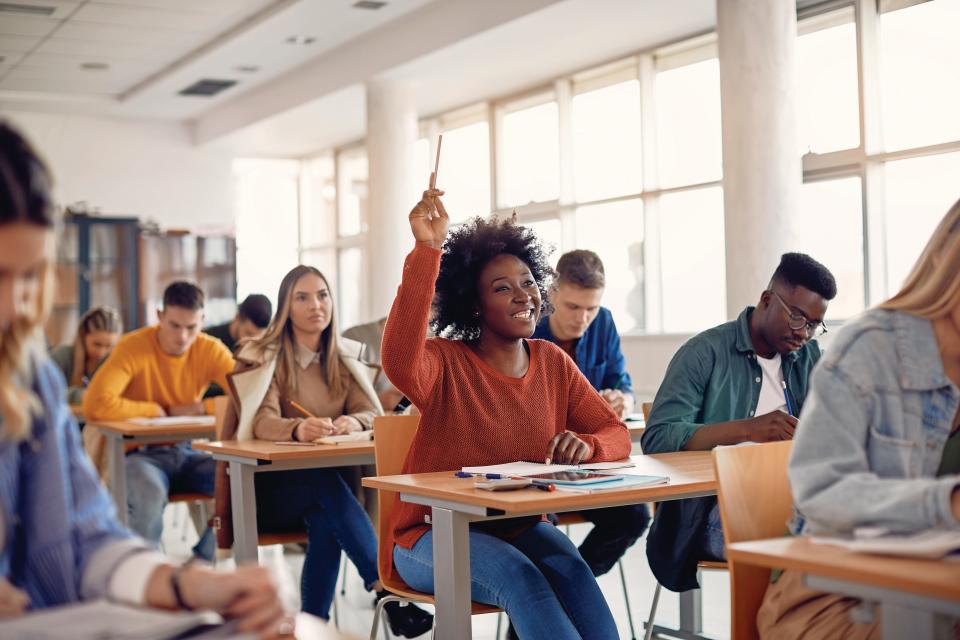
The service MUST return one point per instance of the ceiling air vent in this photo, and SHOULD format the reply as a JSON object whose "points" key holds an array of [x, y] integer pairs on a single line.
{"points": [[372, 5], [28, 9], [207, 87]]}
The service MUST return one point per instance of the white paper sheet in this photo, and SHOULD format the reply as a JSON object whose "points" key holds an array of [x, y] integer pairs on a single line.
{"points": [[170, 421], [532, 468]]}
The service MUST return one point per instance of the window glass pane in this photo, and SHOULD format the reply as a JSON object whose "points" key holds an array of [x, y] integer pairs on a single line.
{"points": [[266, 217], [829, 114], [352, 192], [465, 171], [693, 268], [326, 261], [688, 124], [531, 156], [920, 74], [351, 281], [606, 142], [830, 230], [318, 194], [422, 166], [615, 232], [550, 233], [919, 192]]}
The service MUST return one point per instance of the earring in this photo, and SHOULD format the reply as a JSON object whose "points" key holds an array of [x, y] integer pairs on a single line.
{"points": [[476, 314]]}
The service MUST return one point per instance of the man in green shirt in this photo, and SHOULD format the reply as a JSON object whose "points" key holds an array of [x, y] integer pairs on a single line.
{"points": [[742, 381]]}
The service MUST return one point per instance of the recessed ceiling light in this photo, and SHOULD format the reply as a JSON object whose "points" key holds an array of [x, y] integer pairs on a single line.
{"points": [[304, 40], [247, 68], [372, 5], [94, 66]]}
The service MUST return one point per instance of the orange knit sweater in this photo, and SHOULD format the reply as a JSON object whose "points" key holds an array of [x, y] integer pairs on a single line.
{"points": [[472, 414]]}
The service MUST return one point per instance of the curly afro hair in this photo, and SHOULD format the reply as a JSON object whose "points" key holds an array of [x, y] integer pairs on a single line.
{"points": [[466, 251]]}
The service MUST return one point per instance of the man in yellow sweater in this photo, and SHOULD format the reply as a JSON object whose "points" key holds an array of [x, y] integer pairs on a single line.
{"points": [[159, 371]]}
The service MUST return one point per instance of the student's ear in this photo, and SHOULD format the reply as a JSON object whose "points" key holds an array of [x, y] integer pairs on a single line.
{"points": [[765, 299], [160, 314]]}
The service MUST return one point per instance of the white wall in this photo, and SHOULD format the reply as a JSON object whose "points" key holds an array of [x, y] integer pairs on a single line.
{"points": [[146, 169]]}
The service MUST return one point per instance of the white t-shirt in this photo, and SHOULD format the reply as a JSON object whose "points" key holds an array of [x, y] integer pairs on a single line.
{"points": [[771, 387]]}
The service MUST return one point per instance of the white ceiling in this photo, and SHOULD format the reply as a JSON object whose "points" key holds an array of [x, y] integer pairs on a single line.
{"points": [[155, 48]]}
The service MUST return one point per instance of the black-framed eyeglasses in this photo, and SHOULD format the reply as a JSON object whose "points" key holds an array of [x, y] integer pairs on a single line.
{"points": [[798, 321]]}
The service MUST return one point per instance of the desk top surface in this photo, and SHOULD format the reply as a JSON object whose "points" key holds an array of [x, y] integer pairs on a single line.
{"points": [[132, 429], [689, 472], [269, 450], [934, 578]]}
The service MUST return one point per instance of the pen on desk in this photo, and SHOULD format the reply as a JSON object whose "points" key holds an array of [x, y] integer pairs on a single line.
{"points": [[299, 407], [786, 396], [545, 487], [463, 474]]}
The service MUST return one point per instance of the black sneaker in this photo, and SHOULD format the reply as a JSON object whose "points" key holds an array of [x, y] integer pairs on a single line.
{"points": [[409, 621]]}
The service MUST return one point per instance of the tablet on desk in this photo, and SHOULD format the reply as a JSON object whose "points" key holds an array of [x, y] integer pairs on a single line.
{"points": [[572, 478]]}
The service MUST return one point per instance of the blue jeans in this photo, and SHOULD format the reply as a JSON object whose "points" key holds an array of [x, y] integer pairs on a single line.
{"points": [[711, 546], [155, 471], [538, 578], [320, 500]]}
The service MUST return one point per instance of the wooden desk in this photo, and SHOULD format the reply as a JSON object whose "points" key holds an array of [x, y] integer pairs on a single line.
{"points": [[909, 590], [248, 457], [455, 504], [120, 433], [636, 430]]}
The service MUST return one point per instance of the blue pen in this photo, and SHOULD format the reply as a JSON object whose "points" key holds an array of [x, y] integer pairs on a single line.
{"points": [[786, 396], [463, 474]]}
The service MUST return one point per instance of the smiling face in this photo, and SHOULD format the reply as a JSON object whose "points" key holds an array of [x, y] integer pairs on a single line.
{"points": [[23, 257], [311, 306], [773, 325], [574, 308], [508, 298]]}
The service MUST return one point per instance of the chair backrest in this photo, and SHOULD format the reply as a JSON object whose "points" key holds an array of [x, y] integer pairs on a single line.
{"points": [[645, 407], [755, 503], [219, 411], [392, 436]]}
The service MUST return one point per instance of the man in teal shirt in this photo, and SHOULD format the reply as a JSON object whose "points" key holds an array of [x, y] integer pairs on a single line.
{"points": [[743, 381]]}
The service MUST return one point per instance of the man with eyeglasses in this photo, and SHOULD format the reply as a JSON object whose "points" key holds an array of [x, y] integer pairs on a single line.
{"points": [[742, 381]]}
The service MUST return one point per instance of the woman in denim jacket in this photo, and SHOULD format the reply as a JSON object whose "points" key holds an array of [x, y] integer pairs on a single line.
{"points": [[877, 444]]}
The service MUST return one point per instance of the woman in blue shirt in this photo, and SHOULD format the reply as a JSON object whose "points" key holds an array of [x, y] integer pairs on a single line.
{"points": [[60, 541], [878, 443]]}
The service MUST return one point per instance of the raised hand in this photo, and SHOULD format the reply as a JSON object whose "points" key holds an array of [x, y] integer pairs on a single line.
{"points": [[429, 220]]}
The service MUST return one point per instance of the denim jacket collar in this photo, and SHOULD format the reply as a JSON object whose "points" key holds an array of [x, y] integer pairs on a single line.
{"points": [[921, 367], [744, 343]]}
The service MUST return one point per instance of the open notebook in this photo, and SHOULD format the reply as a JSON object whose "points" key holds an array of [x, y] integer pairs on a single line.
{"points": [[532, 468], [99, 619], [932, 544]]}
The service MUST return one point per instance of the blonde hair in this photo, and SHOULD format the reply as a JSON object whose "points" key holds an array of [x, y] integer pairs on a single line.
{"points": [[279, 338], [24, 199], [96, 319], [932, 290]]}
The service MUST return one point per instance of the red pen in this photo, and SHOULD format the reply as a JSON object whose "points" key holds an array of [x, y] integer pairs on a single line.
{"points": [[545, 487]]}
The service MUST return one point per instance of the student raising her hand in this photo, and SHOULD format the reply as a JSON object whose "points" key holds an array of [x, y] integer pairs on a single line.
{"points": [[489, 394]]}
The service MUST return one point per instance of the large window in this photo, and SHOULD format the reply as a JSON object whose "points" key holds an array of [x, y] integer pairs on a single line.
{"points": [[918, 193], [625, 159], [607, 154], [531, 155], [830, 229], [828, 107], [688, 123], [692, 260], [920, 74]]}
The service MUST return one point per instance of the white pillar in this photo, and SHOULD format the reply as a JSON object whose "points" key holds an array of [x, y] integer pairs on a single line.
{"points": [[762, 170], [391, 135]]}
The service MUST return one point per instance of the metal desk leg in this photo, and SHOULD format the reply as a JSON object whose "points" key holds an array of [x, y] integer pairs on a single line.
{"points": [[451, 574], [903, 622], [117, 473], [691, 611], [243, 500]]}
